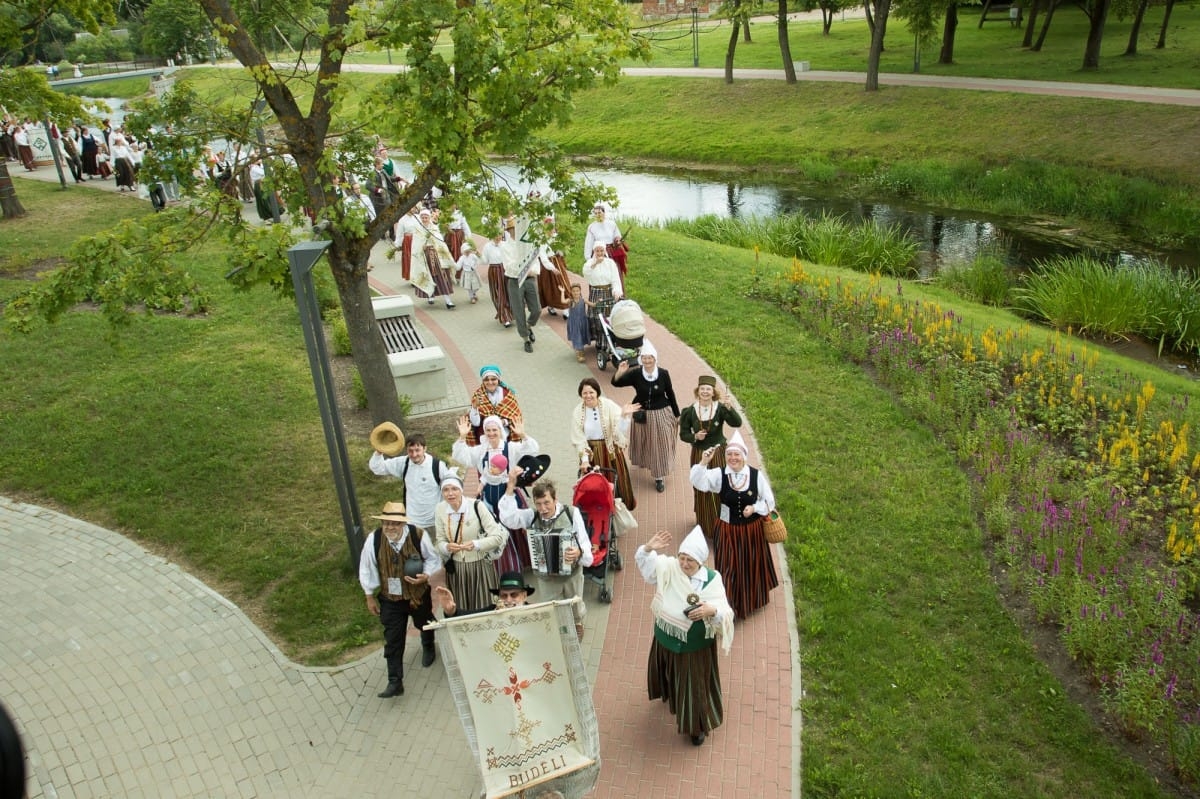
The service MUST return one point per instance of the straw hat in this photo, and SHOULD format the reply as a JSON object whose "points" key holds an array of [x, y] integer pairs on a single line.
{"points": [[393, 512], [388, 439]]}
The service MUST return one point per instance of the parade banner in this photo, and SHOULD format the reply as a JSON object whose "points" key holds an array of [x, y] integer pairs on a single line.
{"points": [[523, 696]]}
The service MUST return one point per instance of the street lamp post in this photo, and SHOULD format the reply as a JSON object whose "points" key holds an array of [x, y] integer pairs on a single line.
{"points": [[302, 258]]}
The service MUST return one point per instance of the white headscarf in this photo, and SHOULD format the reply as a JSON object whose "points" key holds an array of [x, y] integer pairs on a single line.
{"points": [[695, 546], [648, 349]]}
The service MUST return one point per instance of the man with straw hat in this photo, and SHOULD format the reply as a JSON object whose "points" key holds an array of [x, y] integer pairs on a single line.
{"points": [[420, 471], [394, 570]]}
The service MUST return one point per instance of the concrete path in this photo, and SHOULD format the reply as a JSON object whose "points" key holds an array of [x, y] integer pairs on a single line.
{"points": [[128, 677]]}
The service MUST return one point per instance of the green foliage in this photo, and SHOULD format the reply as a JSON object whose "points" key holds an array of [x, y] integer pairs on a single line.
{"points": [[104, 46], [340, 338], [26, 92], [828, 239], [172, 27], [1153, 301], [986, 280], [27, 25]]}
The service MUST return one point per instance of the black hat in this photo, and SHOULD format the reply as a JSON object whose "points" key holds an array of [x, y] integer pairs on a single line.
{"points": [[535, 466], [512, 580]]}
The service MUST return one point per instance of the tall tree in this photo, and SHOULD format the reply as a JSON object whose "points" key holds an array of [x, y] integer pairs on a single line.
{"points": [[1136, 29], [176, 26], [1162, 31], [920, 16], [479, 78], [1051, 6], [879, 13], [1097, 12], [949, 29], [785, 47], [1030, 22], [738, 12], [828, 9]]}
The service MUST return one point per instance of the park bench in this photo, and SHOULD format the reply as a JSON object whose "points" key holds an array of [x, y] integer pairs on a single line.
{"points": [[418, 369]]}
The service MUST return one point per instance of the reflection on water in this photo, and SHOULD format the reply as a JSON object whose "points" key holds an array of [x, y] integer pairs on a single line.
{"points": [[946, 237]]}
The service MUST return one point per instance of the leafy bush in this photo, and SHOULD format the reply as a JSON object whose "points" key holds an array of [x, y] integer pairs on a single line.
{"points": [[105, 47], [986, 280]]}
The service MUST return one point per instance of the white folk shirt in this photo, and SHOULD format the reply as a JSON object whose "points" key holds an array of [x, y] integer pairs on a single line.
{"points": [[368, 565], [421, 491]]}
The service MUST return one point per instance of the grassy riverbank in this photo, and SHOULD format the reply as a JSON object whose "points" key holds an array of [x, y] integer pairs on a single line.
{"points": [[199, 437]]}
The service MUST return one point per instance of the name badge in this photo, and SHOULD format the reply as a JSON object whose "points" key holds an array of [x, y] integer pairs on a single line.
{"points": [[395, 586]]}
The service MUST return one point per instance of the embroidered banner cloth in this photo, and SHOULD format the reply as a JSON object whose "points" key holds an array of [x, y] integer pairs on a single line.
{"points": [[523, 696]]}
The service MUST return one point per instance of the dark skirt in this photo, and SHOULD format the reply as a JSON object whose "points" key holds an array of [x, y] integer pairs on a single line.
{"points": [[744, 560], [443, 284], [515, 557], [125, 176], [406, 256], [690, 684], [554, 285], [472, 582], [707, 504], [652, 444], [499, 291], [601, 298], [617, 463], [579, 327], [454, 242]]}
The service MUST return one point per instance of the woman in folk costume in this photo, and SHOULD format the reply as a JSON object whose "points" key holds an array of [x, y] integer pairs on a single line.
{"points": [[702, 424], [604, 286], [492, 398], [513, 444], [653, 439], [743, 554], [691, 614], [600, 433], [458, 232], [123, 164], [432, 267], [553, 281], [469, 535], [405, 229], [493, 256], [604, 229]]}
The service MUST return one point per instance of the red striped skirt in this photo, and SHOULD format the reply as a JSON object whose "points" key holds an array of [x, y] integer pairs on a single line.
{"points": [[744, 560], [499, 292], [605, 460]]}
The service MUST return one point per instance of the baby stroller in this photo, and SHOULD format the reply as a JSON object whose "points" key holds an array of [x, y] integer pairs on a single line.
{"points": [[594, 496], [621, 334]]}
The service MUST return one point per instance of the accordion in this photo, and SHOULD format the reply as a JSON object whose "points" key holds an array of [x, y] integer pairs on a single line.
{"points": [[546, 551]]}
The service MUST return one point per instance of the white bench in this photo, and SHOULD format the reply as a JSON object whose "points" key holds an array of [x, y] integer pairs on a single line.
{"points": [[418, 369]]}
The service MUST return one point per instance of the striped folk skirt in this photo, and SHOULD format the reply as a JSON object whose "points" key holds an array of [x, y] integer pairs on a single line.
{"points": [[744, 560], [690, 684], [499, 291], [406, 256], [454, 241], [652, 443], [707, 504], [606, 460], [443, 281], [515, 556], [472, 584], [554, 285], [601, 298]]}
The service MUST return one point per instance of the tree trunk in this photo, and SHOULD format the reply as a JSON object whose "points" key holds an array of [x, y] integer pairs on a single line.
{"points": [[826, 19], [733, 37], [882, 7], [366, 343], [785, 47], [1162, 32], [948, 31], [870, 16], [10, 204], [1131, 48], [1099, 16], [1030, 24], [1037, 47], [746, 30]]}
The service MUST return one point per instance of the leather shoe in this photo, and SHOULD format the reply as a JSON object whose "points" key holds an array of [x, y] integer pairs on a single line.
{"points": [[698, 739], [528, 345], [660, 486], [393, 689], [531, 336], [428, 656]]}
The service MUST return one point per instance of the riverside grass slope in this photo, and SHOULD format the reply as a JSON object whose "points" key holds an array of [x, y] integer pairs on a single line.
{"points": [[199, 437]]}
